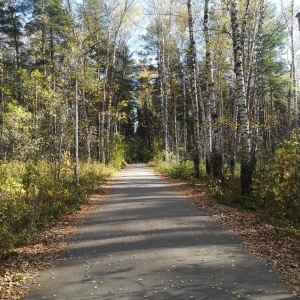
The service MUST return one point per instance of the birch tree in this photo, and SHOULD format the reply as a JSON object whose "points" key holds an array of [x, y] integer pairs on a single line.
{"points": [[194, 90], [214, 119], [293, 65], [246, 168], [116, 15], [258, 117]]}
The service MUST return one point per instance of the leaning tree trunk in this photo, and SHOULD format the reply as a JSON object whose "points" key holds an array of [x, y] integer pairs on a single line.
{"points": [[194, 90], [215, 128], [246, 167]]}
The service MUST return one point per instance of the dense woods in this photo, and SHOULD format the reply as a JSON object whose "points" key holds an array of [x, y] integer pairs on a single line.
{"points": [[203, 89]]}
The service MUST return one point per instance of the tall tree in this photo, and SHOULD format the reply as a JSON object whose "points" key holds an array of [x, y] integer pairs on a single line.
{"points": [[216, 143], [258, 85], [194, 90], [246, 167]]}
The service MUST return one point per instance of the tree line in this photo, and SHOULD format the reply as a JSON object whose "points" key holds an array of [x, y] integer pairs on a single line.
{"points": [[213, 82], [51, 53], [224, 85]]}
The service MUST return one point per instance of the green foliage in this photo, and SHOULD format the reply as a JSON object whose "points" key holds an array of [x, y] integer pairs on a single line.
{"points": [[32, 195], [174, 169], [280, 180], [118, 152], [17, 129], [276, 185], [93, 173]]}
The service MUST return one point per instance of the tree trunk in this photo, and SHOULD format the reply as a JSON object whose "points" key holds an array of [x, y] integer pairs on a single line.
{"points": [[109, 104], [293, 71], [103, 116], [233, 137], [258, 86], [214, 128], [185, 118], [99, 125], [1, 81], [194, 91], [163, 96], [246, 168]]}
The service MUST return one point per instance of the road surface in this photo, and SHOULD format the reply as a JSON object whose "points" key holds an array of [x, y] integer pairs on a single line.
{"points": [[147, 242]]}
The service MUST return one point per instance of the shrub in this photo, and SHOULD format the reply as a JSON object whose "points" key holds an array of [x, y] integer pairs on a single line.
{"points": [[280, 180], [118, 152], [32, 194], [175, 169]]}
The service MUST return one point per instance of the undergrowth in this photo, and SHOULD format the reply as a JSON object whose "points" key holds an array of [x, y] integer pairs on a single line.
{"points": [[33, 194], [266, 207]]}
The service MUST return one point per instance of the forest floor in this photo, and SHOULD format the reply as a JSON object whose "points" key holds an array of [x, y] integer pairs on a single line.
{"points": [[268, 242]]}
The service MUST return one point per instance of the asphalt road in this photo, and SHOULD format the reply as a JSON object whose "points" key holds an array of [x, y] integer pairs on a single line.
{"points": [[147, 242]]}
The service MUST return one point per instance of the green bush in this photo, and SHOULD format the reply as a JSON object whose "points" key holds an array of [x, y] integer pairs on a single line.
{"points": [[118, 152], [175, 169]]}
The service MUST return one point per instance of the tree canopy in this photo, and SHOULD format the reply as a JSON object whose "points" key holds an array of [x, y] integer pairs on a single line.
{"points": [[207, 81]]}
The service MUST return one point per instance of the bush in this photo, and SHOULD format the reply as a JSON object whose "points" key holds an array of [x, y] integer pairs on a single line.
{"points": [[279, 181], [33, 194], [175, 169], [118, 152]]}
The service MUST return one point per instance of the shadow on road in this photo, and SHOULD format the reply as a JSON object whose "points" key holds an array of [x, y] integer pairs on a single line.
{"points": [[146, 241]]}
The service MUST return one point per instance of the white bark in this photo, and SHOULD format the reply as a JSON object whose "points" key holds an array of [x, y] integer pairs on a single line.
{"points": [[258, 84], [293, 68], [246, 169], [214, 128], [162, 79], [194, 90]]}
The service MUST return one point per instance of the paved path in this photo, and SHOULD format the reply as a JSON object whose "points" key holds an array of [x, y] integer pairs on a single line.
{"points": [[147, 242]]}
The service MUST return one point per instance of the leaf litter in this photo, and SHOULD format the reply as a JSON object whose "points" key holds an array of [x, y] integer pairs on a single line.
{"points": [[272, 244], [19, 267]]}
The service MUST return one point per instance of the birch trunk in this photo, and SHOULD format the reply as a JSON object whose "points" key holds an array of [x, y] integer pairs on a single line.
{"points": [[258, 86], [194, 91], [293, 71], [109, 105], [214, 127], [233, 137], [99, 124], [103, 116], [2, 150], [163, 96], [1, 81], [246, 168], [185, 133], [87, 127]]}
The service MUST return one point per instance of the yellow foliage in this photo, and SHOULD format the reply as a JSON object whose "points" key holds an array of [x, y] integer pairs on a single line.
{"points": [[282, 179]]}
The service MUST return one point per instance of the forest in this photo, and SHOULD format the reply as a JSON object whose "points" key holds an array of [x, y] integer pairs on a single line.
{"points": [[206, 91]]}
